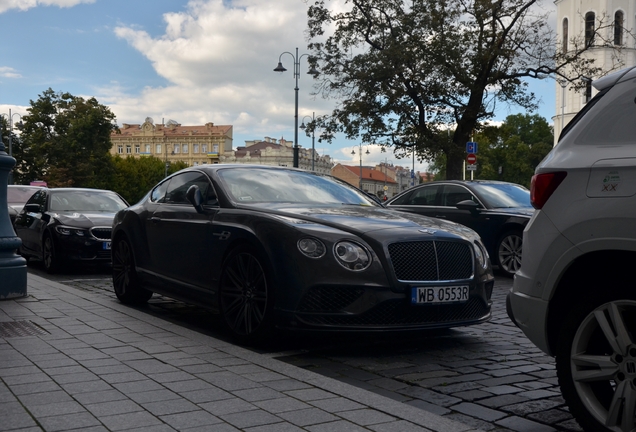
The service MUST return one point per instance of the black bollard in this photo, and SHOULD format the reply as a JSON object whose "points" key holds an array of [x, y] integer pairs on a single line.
{"points": [[13, 269]]}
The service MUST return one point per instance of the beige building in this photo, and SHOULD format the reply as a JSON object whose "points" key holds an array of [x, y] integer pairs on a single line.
{"points": [[368, 179], [614, 48], [278, 153], [171, 142]]}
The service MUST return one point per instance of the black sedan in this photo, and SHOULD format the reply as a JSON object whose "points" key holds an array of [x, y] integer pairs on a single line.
{"points": [[67, 225], [498, 211], [17, 195], [271, 247]]}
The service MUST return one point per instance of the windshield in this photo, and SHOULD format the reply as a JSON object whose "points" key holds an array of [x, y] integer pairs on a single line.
{"points": [[87, 201], [20, 194], [505, 195], [262, 185]]}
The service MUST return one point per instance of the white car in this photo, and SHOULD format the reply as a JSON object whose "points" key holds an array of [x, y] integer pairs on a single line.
{"points": [[575, 294]]}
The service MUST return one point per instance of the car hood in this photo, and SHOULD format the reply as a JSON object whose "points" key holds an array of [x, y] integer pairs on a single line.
{"points": [[84, 220], [363, 220]]}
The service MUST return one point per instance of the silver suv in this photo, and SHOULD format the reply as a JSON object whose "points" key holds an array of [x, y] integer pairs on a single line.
{"points": [[575, 294]]}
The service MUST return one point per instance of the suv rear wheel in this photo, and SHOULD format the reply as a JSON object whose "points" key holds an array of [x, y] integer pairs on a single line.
{"points": [[596, 364]]}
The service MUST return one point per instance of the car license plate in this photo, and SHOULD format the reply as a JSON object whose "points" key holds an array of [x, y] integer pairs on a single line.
{"points": [[449, 294], [106, 245]]}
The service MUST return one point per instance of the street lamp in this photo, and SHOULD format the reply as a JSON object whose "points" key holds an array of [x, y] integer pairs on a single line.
{"points": [[10, 123], [385, 171], [353, 152], [313, 136], [313, 72]]}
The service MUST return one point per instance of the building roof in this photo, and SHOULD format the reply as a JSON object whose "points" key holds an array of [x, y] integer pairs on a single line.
{"points": [[175, 129], [370, 174]]}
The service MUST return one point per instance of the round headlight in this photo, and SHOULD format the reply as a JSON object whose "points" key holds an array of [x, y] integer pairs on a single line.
{"points": [[313, 248], [481, 254], [351, 255]]}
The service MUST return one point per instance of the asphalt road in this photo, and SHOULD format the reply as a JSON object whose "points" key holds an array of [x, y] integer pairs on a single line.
{"points": [[489, 375]]}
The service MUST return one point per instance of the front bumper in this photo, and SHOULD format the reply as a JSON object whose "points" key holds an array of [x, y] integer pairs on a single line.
{"points": [[360, 308], [75, 248]]}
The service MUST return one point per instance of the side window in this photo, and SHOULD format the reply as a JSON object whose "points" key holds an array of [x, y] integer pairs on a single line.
{"points": [[453, 194], [404, 199], [424, 196], [38, 198], [159, 192], [179, 185]]}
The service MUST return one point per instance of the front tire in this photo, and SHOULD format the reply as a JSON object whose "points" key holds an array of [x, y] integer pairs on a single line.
{"points": [[509, 248], [596, 365], [126, 283], [246, 296], [50, 256]]}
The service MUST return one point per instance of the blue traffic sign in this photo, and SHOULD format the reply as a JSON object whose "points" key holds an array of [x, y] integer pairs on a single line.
{"points": [[471, 147]]}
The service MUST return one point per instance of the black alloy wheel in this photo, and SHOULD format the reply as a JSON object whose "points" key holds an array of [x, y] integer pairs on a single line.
{"points": [[509, 248], [596, 365], [49, 255], [245, 297], [126, 283]]}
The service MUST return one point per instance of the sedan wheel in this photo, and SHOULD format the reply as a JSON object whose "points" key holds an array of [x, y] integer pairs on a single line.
{"points": [[125, 281], [49, 256], [596, 366], [509, 250], [244, 296]]}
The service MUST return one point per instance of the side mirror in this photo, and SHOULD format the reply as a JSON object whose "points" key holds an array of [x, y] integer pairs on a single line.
{"points": [[32, 208], [194, 197], [467, 205]]}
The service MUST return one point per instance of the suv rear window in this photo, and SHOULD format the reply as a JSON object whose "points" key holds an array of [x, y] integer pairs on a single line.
{"points": [[610, 120]]}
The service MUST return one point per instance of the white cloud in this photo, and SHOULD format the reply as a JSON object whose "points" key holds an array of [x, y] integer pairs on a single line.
{"points": [[24, 5], [9, 72]]}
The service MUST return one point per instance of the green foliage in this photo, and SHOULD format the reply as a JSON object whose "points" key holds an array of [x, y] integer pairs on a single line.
{"points": [[517, 146], [403, 71], [134, 177], [66, 141]]}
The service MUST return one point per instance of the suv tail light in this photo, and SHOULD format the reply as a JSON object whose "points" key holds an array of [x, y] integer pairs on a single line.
{"points": [[543, 185]]}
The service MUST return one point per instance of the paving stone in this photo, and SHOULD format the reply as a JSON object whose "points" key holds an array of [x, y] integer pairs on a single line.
{"points": [[122, 406], [309, 417], [250, 419], [337, 404], [520, 424], [473, 422], [130, 420], [283, 404], [478, 411], [227, 406], [275, 427], [171, 406], [67, 422], [366, 417], [530, 407], [341, 426]]}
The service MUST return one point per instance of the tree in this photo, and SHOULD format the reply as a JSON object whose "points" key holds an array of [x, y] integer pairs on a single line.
{"points": [[512, 151], [404, 70], [66, 141], [134, 177]]}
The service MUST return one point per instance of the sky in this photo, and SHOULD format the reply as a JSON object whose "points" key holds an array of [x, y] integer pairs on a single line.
{"points": [[194, 62]]}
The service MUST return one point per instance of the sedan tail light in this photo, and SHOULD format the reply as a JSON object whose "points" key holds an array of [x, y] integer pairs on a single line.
{"points": [[543, 185]]}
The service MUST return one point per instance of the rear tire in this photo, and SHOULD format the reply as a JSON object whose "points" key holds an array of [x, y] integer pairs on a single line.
{"points": [[126, 282], [246, 296], [509, 247], [596, 364]]}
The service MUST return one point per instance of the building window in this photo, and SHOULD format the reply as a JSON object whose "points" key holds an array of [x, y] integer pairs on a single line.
{"points": [[618, 28], [185, 149], [215, 148], [176, 148], [147, 148], [158, 149], [565, 35], [137, 149], [128, 149], [195, 164], [204, 148], [195, 148], [120, 149], [589, 28]]}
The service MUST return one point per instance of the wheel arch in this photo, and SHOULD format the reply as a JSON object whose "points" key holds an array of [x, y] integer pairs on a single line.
{"points": [[579, 280]]}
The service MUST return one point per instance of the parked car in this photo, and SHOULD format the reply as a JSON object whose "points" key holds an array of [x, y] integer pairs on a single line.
{"points": [[497, 211], [17, 195], [279, 247], [68, 224], [575, 296]]}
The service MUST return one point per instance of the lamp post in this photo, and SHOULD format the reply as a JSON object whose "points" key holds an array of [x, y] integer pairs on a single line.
{"points": [[13, 270], [313, 72], [313, 136], [353, 152], [385, 167], [10, 124]]}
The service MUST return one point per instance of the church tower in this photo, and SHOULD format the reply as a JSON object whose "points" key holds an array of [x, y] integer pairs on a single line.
{"points": [[613, 48]]}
